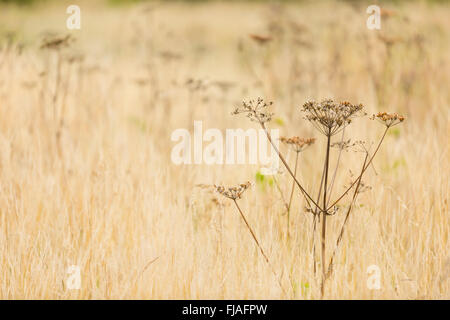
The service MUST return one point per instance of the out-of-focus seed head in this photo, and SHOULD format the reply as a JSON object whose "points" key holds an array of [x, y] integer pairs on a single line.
{"points": [[342, 145], [260, 39], [57, 42], [298, 144]]}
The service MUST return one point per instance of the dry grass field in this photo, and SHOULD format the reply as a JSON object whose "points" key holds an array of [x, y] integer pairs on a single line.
{"points": [[86, 176]]}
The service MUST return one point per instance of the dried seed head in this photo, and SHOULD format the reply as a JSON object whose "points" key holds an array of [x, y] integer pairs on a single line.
{"points": [[233, 193], [330, 117], [56, 43], [359, 146], [388, 119], [256, 110], [341, 145], [196, 84], [224, 86], [260, 39], [298, 144]]}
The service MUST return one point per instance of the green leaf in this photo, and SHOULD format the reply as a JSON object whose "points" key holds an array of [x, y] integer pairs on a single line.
{"points": [[279, 121], [395, 132]]}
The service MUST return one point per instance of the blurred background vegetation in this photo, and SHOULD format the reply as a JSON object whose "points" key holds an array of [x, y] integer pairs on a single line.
{"points": [[85, 148]]}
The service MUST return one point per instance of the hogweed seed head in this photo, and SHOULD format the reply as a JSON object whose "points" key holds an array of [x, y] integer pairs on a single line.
{"points": [[330, 117], [360, 146], [298, 144], [388, 119], [196, 84], [57, 42], [342, 145], [233, 193], [256, 110]]}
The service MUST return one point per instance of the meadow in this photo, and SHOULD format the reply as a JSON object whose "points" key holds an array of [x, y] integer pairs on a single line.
{"points": [[86, 176]]}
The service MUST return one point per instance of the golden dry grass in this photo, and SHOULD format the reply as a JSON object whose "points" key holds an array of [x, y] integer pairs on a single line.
{"points": [[86, 179]]}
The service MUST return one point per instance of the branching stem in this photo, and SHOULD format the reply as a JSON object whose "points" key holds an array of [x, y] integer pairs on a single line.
{"points": [[362, 172], [307, 196]]}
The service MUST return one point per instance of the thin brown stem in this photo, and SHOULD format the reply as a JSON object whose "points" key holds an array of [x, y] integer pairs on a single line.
{"points": [[292, 193], [324, 215], [307, 196], [314, 243], [339, 239], [281, 192], [315, 219], [337, 167], [259, 246], [362, 172]]}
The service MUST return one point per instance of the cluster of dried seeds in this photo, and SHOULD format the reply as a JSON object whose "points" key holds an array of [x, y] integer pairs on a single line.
{"points": [[330, 117], [298, 144], [256, 110], [341, 145], [56, 42], [233, 193], [388, 119]]}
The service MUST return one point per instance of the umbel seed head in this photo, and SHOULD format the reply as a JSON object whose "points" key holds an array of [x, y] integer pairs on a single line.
{"points": [[330, 117], [388, 119], [256, 110], [57, 42], [298, 144], [233, 193]]}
